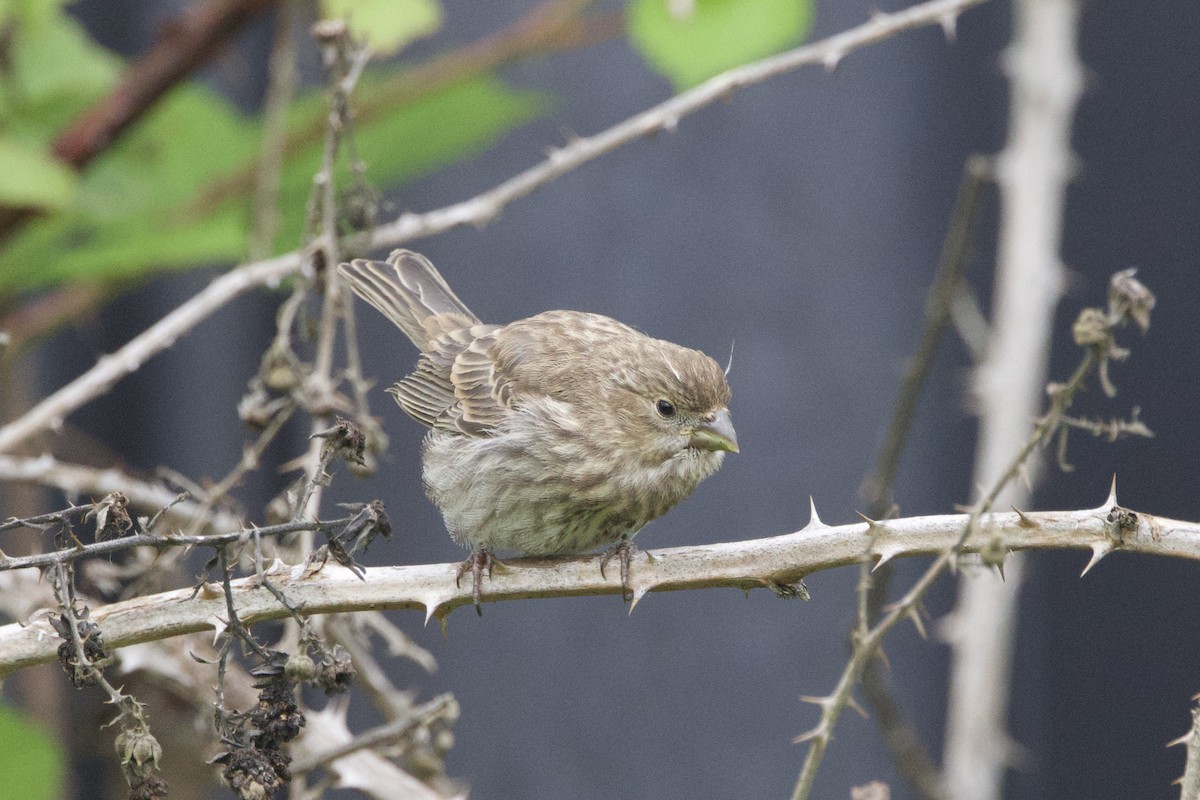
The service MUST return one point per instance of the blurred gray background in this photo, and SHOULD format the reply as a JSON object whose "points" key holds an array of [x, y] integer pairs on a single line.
{"points": [[801, 221]]}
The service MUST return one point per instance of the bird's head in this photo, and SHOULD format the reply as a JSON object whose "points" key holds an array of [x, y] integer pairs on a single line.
{"points": [[673, 403]]}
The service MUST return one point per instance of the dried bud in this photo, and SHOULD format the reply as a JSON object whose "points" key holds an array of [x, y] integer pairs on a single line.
{"points": [[344, 440], [337, 671], [1120, 523], [993, 552], [139, 752], [1129, 299], [1091, 328], [151, 787], [370, 521], [254, 774], [93, 648], [300, 668], [277, 717], [112, 517]]}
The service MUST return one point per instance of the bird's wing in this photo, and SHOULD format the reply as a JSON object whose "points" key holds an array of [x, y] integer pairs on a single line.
{"points": [[483, 396], [454, 386]]}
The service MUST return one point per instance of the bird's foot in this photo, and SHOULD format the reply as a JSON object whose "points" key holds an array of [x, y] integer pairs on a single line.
{"points": [[623, 549], [479, 560]]}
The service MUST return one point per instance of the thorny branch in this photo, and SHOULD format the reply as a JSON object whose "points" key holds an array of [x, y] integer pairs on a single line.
{"points": [[906, 749], [1189, 783], [49, 413], [744, 565], [1093, 331], [111, 546], [84, 657]]}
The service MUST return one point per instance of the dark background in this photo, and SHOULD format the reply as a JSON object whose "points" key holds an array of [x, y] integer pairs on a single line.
{"points": [[801, 221]]}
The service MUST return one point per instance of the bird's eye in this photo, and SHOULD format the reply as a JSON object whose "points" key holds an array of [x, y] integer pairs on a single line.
{"points": [[665, 408]]}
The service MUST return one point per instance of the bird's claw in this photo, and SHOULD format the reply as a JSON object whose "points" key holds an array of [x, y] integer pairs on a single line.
{"points": [[477, 562], [623, 549]]}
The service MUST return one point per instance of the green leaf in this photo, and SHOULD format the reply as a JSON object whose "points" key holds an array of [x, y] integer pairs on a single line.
{"points": [[29, 12], [31, 177], [386, 25], [54, 57], [132, 211], [30, 760], [399, 146], [54, 71], [142, 206], [690, 42]]}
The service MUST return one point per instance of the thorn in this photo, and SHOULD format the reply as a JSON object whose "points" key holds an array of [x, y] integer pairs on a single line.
{"points": [[885, 554], [1181, 740], [814, 521], [850, 701], [949, 25], [915, 615], [1025, 521], [823, 702], [871, 523], [445, 627], [999, 565], [1099, 551], [804, 737], [883, 657], [638, 593], [1112, 495], [832, 59], [430, 610]]}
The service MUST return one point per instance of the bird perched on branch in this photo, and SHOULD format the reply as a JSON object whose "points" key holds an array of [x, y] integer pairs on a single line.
{"points": [[559, 433]]}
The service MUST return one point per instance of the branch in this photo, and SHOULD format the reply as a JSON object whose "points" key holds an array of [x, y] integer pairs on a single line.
{"points": [[82, 481], [666, 117], [1189, 783], [1032, 173], [218, 540], [904, 745], [776, 562], [50, 412]]}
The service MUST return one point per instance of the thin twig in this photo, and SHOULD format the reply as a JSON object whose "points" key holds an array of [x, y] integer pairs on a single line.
{"points": [[281, 88], [866, 646], [379, 735], [1189, 784], [81, 481], [50, 413], [665, 117], [109, 546], [907, 752]]}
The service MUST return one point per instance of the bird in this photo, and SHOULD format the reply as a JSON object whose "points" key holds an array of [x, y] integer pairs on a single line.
{"points": [[559, 433]]}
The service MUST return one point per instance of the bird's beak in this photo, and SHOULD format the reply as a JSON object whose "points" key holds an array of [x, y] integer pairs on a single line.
{"points": [[715, 433]]}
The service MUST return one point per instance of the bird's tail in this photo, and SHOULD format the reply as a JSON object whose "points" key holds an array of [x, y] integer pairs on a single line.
{"points": [[408, 290]]}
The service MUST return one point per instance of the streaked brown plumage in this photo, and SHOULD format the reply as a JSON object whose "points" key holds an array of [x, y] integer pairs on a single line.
{"points": [[559, 433]]}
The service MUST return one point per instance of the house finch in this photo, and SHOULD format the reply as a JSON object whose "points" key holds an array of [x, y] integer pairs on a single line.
{"points": [[559, 433]]}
